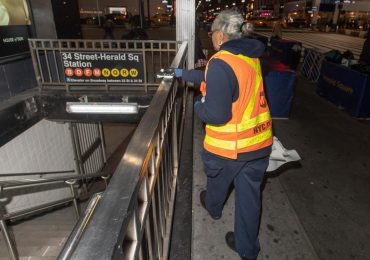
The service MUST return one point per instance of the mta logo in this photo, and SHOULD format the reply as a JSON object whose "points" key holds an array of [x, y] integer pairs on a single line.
{"points": [[263, 101]]}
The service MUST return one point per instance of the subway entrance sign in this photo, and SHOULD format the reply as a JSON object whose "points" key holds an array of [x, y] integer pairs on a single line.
{"points": [[103, 67]]}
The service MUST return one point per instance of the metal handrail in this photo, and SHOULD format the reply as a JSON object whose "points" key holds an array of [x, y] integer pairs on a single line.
{"points": [[79, 228], [20, 183], [33, 173], [122, 213]]}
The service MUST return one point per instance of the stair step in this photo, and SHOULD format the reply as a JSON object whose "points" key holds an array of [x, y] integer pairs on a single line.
{"points": [[37, 258], [36, 251], [49, 220], [52, 220], [41, 237], [40, 241], [32, 228], [31, 258], [41, 233]]}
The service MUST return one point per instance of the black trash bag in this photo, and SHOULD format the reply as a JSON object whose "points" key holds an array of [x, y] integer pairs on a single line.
{"points": [[295, 56], [334, 56], [348, 55]]}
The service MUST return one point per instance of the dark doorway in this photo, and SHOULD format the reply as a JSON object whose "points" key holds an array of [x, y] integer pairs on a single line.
{"points": [[67, 19]]}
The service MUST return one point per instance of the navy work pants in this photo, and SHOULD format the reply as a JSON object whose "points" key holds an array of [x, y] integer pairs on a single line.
{"points": [[247, 177]]}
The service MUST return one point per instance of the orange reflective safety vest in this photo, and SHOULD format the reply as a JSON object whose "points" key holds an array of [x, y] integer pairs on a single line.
{"points": [[250, 127]]}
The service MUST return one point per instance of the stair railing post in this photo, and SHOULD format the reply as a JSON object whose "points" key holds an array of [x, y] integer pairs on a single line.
{"points": [[105, 178], [75, 203], [13, 254], [9, 240]]}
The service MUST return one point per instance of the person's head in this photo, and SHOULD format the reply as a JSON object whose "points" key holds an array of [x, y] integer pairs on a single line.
{"points": [[228, 25]]}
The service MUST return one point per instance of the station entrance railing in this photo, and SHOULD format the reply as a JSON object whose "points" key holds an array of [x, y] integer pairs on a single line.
{"points": [[132, 219]]}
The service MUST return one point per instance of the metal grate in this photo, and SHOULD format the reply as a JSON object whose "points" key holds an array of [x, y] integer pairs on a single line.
{"points": [[311, 66]]}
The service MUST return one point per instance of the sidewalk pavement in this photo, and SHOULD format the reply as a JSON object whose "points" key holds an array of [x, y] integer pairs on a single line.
{"points": [[318, 211]]}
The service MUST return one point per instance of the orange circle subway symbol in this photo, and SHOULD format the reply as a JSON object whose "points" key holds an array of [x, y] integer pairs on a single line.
{"points": [[96, 72], [79, 72], [68, 72], [87, 72]]}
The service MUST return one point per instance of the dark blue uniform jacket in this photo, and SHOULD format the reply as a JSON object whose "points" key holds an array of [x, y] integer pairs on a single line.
{"points": [[222, 88]]}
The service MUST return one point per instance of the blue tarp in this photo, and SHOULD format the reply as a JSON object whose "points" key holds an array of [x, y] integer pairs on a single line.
{"points": [[345, 87], [279, 88]]}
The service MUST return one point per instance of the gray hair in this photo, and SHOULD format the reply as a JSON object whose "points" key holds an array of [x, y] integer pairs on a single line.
{"points": [[232, 23]]}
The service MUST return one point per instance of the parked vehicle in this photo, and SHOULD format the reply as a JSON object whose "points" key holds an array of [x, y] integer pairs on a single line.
{"points": [[297, 22], [118, 19], [267, 22], [93, 20], [160, 19], [258, 21], [270, 22]]}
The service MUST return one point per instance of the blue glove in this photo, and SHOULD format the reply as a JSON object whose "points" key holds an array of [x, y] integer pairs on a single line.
{"points": [[178, 73]]}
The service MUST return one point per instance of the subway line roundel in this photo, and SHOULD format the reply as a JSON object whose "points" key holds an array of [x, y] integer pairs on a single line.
{"points": [[103, 67]]}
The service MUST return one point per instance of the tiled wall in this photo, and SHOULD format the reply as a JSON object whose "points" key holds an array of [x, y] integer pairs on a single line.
{"points": [[46, 146]]}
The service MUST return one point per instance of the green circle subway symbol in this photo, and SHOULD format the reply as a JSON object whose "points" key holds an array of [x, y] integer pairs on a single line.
{"points": [[124, 72], [115, 72], [133, 73]]}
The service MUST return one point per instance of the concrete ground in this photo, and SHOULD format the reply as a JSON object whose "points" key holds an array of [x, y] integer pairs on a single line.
{"points": [[317, 211], [330, 193], [281, 234]]}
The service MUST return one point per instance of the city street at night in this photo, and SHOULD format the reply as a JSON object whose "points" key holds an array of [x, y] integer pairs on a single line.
{"points": [[323, 42]]}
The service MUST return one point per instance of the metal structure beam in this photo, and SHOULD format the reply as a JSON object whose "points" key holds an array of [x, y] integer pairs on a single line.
{"points": [[185, 26]]}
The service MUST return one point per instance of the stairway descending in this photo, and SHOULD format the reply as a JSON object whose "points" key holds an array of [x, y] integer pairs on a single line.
{"points": [[43, 236]]}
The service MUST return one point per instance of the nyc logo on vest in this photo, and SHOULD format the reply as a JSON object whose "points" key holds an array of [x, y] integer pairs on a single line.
{"points": [[262, 127]]}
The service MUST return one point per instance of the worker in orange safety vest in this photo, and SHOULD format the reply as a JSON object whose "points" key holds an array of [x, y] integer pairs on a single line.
{"points": [[238, 137]]}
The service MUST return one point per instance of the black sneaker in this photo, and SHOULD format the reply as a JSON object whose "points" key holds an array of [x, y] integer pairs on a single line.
{"points": [[202, 198], [230, 241]]}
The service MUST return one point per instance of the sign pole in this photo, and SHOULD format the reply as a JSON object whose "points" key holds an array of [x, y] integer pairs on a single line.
{"points": [[97, 9]]}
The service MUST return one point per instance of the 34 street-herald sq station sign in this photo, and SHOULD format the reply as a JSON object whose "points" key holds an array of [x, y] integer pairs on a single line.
{"points": [[103, 67]]}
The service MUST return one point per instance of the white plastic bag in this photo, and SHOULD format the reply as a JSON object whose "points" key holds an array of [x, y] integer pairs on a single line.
{"points": [[280, 156]]}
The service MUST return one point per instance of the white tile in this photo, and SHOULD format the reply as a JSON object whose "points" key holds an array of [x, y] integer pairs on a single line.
{"points": [[44, 147]]}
